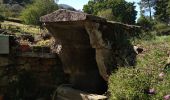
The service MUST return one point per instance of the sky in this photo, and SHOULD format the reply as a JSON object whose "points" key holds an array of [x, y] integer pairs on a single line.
{"points": [[78, 4]]}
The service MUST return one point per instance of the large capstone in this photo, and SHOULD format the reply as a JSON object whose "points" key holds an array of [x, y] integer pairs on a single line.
{"points": [[92, 47]]}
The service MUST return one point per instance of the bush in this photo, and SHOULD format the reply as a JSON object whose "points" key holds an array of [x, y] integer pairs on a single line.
{"points": [[147, 31], [33, 12], [106, 14], [147, 35], [145, 22], [135, 83], [130, 84], [121, 10], [12, 10], [162, 28], [2, 18]]}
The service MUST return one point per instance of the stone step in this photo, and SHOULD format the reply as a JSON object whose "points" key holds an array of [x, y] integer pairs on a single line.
{"points": [[69, 93]]}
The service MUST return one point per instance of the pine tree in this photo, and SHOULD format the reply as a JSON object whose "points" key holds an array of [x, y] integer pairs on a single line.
{"points": [[147, 5], [168, 12], [161, 10]]}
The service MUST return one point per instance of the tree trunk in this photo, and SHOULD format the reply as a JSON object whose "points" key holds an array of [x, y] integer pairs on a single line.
{"points": [[150, 10]]}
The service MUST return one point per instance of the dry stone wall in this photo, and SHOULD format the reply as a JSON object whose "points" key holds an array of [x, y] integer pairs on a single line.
{"points": [[32, 77]]}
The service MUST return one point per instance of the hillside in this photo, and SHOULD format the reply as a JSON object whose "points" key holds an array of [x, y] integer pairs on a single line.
{"points": [[149, 79], [65, 6]]}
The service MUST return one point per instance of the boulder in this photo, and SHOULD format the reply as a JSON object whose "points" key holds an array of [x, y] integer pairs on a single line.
{"points": [[67, 92], [92, 47]]}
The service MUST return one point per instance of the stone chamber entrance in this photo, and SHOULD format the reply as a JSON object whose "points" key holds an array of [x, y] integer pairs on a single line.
{"points": [[91, 49]]}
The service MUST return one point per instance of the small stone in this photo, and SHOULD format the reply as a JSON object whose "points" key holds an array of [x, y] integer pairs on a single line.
{"points": [[161, 75], [137, 49], [167, 97], [151, 91]]}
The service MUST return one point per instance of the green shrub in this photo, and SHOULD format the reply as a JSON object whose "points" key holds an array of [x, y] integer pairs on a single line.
{"points": [[106, 14], [147, 32], [134, 83], [147, 35], [130, 84], [12, 10], [145, 22], [162, 28], [5, 11], [33, 12], [2, 18]]}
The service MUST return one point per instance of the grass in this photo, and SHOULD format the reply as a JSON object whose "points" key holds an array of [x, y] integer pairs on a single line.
{"points": [[19, 28], [134, 83]]}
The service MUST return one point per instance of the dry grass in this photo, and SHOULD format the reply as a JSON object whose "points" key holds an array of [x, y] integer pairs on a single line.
{"points": [[21, 27]]}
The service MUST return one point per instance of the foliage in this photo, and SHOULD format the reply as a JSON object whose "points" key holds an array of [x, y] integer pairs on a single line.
{"points": [[146, 35], [2, 18], [129, 84], [121, 10], [147, 31], [8, 10], [89, 8], [135, 83], [106, 14], [23, 1], [147, 5], [17, 1], [163, 88], [33, 12], [18, 29], [13, 8], [161, 10], [5, 11], [145, 22], [124, 12], [162, 28], [168, 11]]}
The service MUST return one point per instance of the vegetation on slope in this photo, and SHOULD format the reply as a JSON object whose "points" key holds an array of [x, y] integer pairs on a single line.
{"points": [[116, 10], [38, 8], [18, 28], [148, 80]]}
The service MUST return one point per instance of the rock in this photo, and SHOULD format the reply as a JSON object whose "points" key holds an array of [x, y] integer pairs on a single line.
{"points": [[68, 93], [152, 91], [137, 49], [91, 47], [161, 76], [66, 15], [167, 97]]}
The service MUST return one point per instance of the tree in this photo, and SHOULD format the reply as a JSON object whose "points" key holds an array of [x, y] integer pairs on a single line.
{"points": [[145, 22], [124, 12], [147, 5], [106, 14], [16, 1], [162, 10], [168, 10], [120, 10], [89, 8], [6, 11], [38, 8]]}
